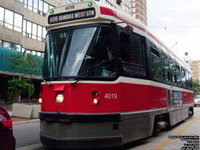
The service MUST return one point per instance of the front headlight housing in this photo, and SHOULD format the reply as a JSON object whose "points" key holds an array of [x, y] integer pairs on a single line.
{"points": [[59, 98], [40, 100]]}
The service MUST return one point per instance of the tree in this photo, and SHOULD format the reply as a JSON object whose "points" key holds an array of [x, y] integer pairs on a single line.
{"points": [[18, 87], [196, 87], [25, 64]]}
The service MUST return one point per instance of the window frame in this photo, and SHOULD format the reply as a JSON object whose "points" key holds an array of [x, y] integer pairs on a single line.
{"points": [[142, 67], [184, 84], [156, 53], [178, 75]]}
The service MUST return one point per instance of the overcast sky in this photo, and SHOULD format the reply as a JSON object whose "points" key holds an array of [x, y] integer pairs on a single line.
{"points": [[176, 21]]}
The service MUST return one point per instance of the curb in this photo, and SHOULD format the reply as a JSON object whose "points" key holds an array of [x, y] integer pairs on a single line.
{"points": [[29, 121]]}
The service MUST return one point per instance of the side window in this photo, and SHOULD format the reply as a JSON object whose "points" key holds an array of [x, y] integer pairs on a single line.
{"points": [[183, 77], [156, 64], [178, 74], [165, 69], [187, 79], [131, 49], [190, 80], [173, 71]]}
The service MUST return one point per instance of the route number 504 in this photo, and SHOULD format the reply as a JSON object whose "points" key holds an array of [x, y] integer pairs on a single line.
{"points": [[110, 96]]}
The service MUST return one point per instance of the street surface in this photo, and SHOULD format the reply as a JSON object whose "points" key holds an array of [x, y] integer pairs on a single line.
{"points": [[27, 136]]}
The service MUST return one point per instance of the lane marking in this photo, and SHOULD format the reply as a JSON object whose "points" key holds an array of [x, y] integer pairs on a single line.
{"points": [[177, 134]]}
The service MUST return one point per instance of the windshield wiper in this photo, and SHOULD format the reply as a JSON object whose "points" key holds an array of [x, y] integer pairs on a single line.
{"points": [[73, 84], [48, 83]]}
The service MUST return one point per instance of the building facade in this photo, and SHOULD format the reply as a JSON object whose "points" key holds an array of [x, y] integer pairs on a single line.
{"points": [[22, 24], [196, 70], [22, 28], [194, 65], [139, 10]]}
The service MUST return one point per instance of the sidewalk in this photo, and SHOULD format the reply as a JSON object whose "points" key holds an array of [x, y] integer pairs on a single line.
{"points": [[17, 120]]}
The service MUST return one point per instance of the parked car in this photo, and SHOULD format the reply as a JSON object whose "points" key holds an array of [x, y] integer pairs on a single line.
{"points": [[7, 140], [197, 100]]}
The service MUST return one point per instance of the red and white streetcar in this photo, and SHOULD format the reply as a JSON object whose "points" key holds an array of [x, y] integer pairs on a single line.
{"points": [[107, 80]]}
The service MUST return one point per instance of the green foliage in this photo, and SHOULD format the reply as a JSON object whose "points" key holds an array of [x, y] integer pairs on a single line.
{"points": [[196, 87], [18, 87], [26, 65]]}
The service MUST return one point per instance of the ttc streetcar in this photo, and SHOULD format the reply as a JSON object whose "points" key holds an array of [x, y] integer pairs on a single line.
{"points": [[107, 80]]}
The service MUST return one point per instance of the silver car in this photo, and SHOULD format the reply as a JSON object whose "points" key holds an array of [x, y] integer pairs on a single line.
{"points": [[197, 100]]}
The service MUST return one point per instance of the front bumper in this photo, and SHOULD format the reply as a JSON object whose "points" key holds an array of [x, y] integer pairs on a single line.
{"points": [[79, 143], [67, 130], [197, 104], [79, 117]]}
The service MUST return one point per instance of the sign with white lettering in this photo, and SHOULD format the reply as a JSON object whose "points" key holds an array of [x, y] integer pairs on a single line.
{"points": [[73, 15], [177, 99]]}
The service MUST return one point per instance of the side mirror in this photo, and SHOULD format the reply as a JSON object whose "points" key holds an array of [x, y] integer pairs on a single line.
{"points": [[128, 29]]}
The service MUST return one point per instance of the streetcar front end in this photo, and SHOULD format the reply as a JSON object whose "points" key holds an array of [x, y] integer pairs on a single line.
{"points": [[79, 94]]}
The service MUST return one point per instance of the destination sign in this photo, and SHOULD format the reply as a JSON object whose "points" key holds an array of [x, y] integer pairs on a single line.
{"points": [[73, 15]]}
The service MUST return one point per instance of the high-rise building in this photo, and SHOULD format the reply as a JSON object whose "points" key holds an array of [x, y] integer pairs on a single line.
{"points": [[194, 65], [139, 10], [196, 70]]}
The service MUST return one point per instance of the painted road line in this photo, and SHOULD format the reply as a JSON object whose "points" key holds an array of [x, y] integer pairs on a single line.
{"points": [[177, 134]]}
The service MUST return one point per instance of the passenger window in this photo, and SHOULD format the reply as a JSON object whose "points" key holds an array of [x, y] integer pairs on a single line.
{"points": [[173, 71], [183, 77], [187, 79], [190, 80], [172, 68], [156, 64], [178, 74], [131, 49], [165, 65]]}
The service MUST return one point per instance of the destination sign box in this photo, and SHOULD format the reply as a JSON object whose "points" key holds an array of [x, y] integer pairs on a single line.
{"points": [[73, 15]]}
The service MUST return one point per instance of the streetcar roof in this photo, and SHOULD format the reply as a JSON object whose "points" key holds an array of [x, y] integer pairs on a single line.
{"points": [[66, 16]]}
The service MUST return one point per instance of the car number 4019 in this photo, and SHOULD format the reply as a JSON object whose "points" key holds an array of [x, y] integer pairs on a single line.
{"points": [[110, 96]]}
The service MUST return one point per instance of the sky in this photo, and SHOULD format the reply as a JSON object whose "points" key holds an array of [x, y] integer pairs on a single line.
{"points": [[177, 24]]}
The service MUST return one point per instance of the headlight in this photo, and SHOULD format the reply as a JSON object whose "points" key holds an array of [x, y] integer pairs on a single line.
{"points": [[59, 98], [40, 100]]}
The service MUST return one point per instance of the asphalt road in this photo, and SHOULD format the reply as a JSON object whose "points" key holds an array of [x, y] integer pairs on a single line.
{"points": [[171, 139], [27, 136]]}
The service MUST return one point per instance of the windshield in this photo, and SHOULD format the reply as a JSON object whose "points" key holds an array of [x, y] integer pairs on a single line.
{"points": [[83, 52]]}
